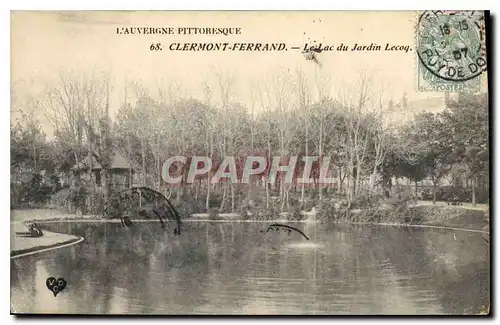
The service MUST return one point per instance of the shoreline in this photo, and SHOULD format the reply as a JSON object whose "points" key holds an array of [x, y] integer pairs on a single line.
{"points": [[430, 226], [431, 217], [40, 249], [424, 216], [36, 249]]}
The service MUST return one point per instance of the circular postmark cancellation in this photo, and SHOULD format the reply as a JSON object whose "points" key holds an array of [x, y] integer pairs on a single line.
{"points": [[450, 44]]}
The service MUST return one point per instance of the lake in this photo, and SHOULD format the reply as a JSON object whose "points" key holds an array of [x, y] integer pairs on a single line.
{"points": [[239, 268]]}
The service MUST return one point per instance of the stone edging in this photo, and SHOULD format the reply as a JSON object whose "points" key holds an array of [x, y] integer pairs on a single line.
{"points": [[40, 249]]}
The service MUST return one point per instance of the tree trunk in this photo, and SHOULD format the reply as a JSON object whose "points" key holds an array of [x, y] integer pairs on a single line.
{"points": [[130, 178], [252, 151], [158, 168], [320, 185], [350, 179], [207, 202], [284, 198], [358, 175], [129, 151], [34, 156], [107, 183], [232, 197], [196, 192], [266, 184], [288, 199], [434, 187], [143, 154], [268, 162], [307, 153], [223, 201], [474, 181]]}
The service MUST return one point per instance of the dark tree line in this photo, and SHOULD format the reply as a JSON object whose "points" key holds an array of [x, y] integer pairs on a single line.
{"points": [[283, 118]]}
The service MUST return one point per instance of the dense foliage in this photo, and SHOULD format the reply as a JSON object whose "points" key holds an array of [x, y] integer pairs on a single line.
{"points": [[284, 118]]}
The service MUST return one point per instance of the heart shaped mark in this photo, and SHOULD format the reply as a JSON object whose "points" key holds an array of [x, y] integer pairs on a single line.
{"points": [[55, 285]]}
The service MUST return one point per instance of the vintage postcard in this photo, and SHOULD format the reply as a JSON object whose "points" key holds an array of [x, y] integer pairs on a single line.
{"points": [[250, 163]]}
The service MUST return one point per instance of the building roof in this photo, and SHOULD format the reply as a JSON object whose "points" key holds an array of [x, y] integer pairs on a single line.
{"points": [[404, 114], [118, 162]]}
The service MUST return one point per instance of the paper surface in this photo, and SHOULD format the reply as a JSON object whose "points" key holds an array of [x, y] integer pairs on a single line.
{"points": [[284, 162]]}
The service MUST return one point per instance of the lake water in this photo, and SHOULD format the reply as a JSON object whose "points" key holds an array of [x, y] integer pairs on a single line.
{"points": [[239, 268]]}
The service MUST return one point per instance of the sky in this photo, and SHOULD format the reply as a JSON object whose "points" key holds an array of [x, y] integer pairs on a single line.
{"points": [[44, 44]]}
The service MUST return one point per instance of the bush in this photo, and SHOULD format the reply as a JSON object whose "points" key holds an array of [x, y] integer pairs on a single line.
{"points": [[366, 200], [213, 214], [296, 213], [61, 198], [35, 191], [426, 195], [186, 208], [77, 197], [55, 183], [405, 196], [331, 211], [454, 193], [245, 208], [95, 204], [16, 194], [259, 210], [31, 193], [309, 204]]}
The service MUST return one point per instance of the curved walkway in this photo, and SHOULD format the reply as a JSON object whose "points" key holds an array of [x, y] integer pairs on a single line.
{"points": [[22, 246]]}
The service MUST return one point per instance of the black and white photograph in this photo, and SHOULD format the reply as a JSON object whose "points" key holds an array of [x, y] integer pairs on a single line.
{"points": [[250, 163]]}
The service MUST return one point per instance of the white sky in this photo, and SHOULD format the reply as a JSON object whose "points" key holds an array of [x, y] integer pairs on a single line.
{"points": [[44, 44]]}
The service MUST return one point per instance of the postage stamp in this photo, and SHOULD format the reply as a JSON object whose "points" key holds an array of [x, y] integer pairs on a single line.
{"points": [[451, 50]]}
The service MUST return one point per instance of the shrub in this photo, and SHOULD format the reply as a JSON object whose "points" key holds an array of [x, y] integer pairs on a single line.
{"points": [[454, 193], [61, 198], [95, 204], [309, 204], [32, 192], [213, 214], [366, 200], [245, 207], [215, 199], [296, 213], [77, 196], [16, 194], [259, 210], [426, 194], [331, 211]]}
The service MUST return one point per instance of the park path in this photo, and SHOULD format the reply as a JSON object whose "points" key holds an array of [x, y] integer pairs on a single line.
{"points": [[20, 246]]}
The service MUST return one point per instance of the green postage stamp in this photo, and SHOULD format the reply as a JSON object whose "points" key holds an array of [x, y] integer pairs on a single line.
{"points": [[451, 50]]}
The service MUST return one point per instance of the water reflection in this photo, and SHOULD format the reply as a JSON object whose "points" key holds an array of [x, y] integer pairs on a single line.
{"points": [[232, 268]]}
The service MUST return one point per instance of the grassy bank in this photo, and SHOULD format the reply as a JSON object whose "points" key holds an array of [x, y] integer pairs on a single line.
{"points": [[450, 216], [384, 212], [21, 245], [37, 247]]}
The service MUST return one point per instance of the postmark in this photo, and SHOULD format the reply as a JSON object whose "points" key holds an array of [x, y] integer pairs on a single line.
{"points": [[276, 227], [143, 203], [450, 49]]}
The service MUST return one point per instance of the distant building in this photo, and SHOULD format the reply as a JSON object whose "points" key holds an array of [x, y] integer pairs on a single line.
{"points": [[405, 110], [122, 174]]}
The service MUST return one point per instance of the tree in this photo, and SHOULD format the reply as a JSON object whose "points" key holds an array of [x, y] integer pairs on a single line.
{"points": [[304, 99], [430, 142], [77, 106], [466, 119]]}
